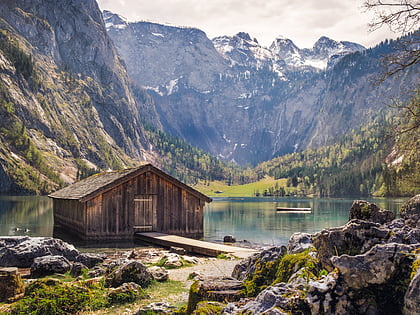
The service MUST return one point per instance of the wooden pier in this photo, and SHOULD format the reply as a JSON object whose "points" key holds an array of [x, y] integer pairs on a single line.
{"points": [[193, 246]]}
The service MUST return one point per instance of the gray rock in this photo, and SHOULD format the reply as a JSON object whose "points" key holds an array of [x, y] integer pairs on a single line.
{"points": [[48, 265], [364, 210], [298, 242], [90, 259], [130, 271], [76, 269], [410, 212], [280, 296], [376, 266], [22, 251], [412, 296], [229, 239], [177, 250], [97, 271], [172, 260], [247, 266], [158, 273], [354, 238], [155, 308]]}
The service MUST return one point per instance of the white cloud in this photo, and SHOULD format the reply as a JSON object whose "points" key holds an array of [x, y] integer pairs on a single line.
{"points": [[303, 21]]}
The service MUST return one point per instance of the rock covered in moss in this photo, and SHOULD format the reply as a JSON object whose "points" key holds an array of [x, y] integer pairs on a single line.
{"points": [[49, 265], [223, 289], [11, 283], [126, 293], [410, 212], [128, 271], [247, 266], [367, 211]]}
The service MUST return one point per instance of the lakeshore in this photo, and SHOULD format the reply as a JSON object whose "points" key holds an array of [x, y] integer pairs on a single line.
{"points": [[354, 268]]}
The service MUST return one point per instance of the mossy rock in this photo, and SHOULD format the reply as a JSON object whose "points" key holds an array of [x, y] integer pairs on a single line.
{"points": [[209, 308], [215, 289], [11, 283]]}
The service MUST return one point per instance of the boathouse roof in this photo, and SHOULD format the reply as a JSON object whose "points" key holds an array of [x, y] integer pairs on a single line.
{"points": [[90, 187]]}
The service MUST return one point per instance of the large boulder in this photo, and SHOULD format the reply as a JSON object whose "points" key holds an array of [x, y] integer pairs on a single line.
{"points": [[377, 266], [410, 212], [49, 265], [11, 283], [354, 238], [364, 210], [412, 296], [21, 251], [248, 265], [129, 271]]}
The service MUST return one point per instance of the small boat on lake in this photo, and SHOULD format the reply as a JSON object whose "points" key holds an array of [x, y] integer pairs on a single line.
{"points": [[293, 210]]}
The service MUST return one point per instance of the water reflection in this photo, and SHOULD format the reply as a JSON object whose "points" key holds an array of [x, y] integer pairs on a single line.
{"points": [[257, 221], [26, 215]]}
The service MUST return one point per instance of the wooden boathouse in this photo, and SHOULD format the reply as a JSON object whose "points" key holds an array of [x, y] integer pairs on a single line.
{"points": [[115, 205]]}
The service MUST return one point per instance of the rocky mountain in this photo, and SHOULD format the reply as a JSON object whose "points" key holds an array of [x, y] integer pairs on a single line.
{"points": [[66, 102], [248, 103]]}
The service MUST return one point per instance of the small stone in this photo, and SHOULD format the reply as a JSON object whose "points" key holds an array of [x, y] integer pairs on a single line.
{"points": [[178, 250], [229, 239], [90, 259], [191, 260], [158, 273], [195, 276], [76, 269], [172, 260]]}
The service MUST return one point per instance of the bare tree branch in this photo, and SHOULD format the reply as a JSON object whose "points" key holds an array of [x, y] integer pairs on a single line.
{"points": [[401, 16]]}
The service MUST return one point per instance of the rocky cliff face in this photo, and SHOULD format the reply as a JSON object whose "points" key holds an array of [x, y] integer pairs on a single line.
{"points": [[75, 108], [245, 102]]}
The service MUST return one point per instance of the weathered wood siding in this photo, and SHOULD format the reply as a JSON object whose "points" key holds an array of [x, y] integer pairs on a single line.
{"points": [[111, 214], [70, 215]]}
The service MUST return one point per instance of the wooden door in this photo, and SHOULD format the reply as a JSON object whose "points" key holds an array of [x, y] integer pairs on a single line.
{"points": [[145, 213]]}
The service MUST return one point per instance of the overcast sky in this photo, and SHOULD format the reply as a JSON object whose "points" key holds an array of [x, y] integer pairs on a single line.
{"points": [[302, 21]]}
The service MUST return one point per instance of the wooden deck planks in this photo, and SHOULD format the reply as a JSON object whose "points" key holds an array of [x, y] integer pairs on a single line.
{"points": [[192, 245]]}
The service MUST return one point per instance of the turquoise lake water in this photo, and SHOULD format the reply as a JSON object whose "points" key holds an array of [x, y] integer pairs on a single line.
{"points": [[252, 219]]}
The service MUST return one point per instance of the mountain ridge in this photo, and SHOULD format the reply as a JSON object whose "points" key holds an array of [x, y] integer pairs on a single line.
{"points": [[244, 103]]}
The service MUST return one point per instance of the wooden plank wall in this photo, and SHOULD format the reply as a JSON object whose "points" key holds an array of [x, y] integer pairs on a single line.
{"points": [[69, 214]]}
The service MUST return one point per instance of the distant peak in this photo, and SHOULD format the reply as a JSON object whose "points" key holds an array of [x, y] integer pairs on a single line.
{"points": [[244, 35], [281, 37]]}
